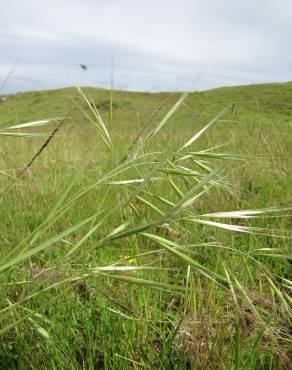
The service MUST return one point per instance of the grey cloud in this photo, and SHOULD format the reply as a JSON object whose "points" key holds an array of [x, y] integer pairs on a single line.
{"points": [[153, 45]]}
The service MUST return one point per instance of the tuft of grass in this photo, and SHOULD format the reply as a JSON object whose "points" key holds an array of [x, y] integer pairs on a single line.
{"points": [[141, 243]]}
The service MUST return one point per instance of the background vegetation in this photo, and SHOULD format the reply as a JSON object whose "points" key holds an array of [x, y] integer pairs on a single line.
{"points": [[112, 254]]}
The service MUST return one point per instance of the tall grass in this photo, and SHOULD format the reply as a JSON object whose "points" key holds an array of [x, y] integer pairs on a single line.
{"points": [[150, 203]]}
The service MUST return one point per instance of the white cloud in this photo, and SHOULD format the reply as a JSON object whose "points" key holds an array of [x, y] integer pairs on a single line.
{"points": [[155, 44]]}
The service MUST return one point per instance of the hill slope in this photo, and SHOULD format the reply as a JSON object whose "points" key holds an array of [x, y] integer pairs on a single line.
{"points": [[267, 101]]}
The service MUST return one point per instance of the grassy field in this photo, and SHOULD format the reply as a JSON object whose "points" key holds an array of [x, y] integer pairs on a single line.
{"points": [[116, 252]]}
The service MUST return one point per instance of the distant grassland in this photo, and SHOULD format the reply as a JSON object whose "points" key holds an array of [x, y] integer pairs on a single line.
{"points": [[100, 321]]}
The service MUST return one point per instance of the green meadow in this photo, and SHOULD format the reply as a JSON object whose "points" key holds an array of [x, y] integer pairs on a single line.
{"points": [[146, 231]]}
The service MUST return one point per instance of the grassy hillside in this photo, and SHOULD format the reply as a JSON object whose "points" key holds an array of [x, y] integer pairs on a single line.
{"points": [[78, 224]]}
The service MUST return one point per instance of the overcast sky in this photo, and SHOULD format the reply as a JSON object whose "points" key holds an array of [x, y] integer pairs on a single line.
{"points": [[152, 45]]}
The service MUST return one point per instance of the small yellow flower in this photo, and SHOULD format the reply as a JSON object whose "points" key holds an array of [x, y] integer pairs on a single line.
{"points": [[131, 260]]}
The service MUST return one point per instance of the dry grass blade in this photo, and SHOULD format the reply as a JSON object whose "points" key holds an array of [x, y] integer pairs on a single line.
{"points": [[142, 130], [199, 133], [45, 144], [166, 117], [98, 123], [242, 229], [43, 122]]}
